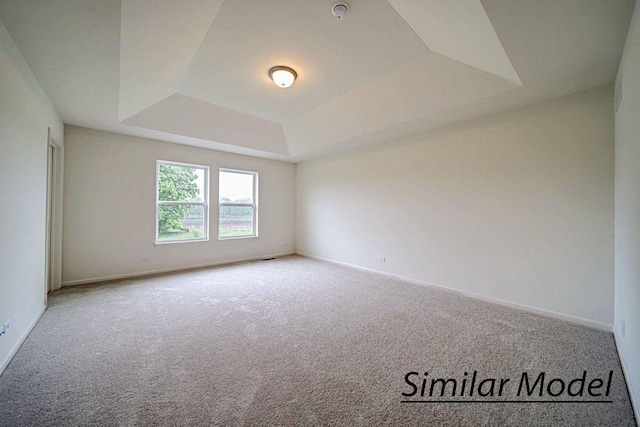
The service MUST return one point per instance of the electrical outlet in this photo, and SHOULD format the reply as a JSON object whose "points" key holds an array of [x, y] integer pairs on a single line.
{"points": [[382, 260], [146, 259], [623, 328]]}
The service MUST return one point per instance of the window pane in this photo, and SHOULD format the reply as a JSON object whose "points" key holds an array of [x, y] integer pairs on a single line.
{"points": [[236, 221], [236, 187], [180, 222], [180, 184]]}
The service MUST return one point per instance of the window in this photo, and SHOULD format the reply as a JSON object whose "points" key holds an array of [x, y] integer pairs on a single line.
{"points": [[181, 202], [238, 204]]}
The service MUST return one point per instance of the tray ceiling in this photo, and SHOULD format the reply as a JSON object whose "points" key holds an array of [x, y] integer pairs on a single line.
{"points": [[195, 71]]}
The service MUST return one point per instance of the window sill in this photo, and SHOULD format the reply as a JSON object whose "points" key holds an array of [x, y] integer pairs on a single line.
{"points": [[237, 237], [171, 242]]}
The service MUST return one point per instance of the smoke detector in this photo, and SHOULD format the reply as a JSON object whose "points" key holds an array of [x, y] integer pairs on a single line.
{"points": [[340, 10]]}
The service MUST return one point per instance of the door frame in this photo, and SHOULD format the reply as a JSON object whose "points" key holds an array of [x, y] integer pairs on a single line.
{"points": [[53, 216]]}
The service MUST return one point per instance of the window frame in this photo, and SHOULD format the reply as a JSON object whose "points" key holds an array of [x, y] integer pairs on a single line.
{"points": [[254, 205], [204, 203]]}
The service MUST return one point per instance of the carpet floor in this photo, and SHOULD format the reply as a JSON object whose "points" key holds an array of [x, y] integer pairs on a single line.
{"points": [[294, 341]]}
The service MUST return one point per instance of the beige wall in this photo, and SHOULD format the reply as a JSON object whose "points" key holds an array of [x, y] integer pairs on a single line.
{"points": [[627, 267], [25, 116], [516, 207], [109, 203]]}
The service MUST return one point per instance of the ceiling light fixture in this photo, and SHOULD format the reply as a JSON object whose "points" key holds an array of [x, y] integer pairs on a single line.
{"points": [[283, 76]]}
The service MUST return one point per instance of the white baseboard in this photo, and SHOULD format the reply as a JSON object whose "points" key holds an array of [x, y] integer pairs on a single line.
{"points": [[169, 270], [24, 336], [566, 317], [634, 397]]}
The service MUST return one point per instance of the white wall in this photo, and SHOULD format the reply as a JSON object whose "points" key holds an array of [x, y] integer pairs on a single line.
{"points": [[515, 207], [25, 116], [109, 207], [627, 228]]}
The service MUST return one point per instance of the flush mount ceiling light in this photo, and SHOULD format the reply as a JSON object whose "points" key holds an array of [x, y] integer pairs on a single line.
{"points": [[283, 76]]}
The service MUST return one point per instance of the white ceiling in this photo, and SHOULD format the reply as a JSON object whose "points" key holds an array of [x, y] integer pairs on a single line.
{"points": [[195, 71]]}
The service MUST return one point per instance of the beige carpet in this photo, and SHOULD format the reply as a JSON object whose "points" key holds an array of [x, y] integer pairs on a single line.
{"points": [[291, 341]]}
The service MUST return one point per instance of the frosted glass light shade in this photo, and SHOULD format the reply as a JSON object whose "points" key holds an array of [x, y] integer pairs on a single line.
{"points": [[283, 76]]}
